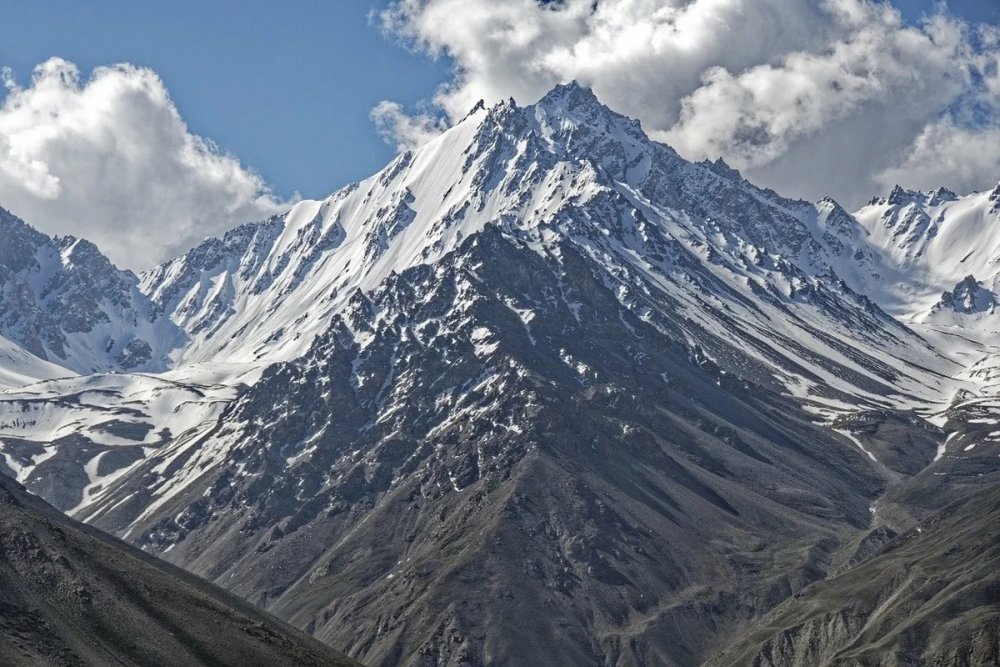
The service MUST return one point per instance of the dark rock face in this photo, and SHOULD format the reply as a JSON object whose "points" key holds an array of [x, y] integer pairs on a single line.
{"points": [[904, 443], [70, 595], [135, 354], [969, 296], [62, 300], [995, 199]]}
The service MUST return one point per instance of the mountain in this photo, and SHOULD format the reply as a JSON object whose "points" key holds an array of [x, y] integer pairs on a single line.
{"points": [[66, 439], [540, 391], [938, 241], [65, 302], [471, 476], [265, 291], [72, 595]]}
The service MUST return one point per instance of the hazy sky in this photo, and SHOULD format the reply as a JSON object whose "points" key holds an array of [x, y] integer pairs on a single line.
{"points": [[226, 111]]}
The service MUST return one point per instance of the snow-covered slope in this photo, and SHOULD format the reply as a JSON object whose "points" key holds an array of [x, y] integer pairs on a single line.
{"points": [[564, 168], [942, 250], [19, 367], [68, 439], [63, 301], [266, 290], [931, 260]]}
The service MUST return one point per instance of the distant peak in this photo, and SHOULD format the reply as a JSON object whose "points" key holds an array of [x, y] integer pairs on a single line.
{"points": [[940, 196], [77, 251], [12, 226], [572, 92], [577, 103], [479, 106], [995, 199], [571, 87], [832, 204], [8, 218], [899, 196]]}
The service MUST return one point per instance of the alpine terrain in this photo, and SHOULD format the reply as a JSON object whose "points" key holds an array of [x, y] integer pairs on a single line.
{"points": [[542, 392]]}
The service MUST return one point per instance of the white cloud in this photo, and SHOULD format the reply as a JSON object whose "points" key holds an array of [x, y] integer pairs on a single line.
{"points": [[110, 159], [404, 130], [753, 117], [804, 95], [960, 158], [961, 148]]}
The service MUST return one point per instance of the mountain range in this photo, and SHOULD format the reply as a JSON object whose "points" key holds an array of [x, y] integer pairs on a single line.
{"points": [[541, 392]]}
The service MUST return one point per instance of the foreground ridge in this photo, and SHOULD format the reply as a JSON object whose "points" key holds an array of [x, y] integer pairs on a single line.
{"points": [[72, 595]]}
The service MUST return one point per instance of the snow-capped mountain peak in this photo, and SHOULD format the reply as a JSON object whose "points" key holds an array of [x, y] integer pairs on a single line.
{"points": [[566, 170], [541, 341]]}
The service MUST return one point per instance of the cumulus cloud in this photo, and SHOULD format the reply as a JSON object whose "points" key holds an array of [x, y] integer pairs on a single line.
{"points": [[964, 158], [804, 95], [110, 159], [754, 116]]}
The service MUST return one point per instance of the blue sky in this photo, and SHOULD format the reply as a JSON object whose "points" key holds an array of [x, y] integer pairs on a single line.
{"points": [[288, 89], [974, 10]]}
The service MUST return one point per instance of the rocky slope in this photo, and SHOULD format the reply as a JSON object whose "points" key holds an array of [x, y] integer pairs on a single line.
{"points": [[437, 452], [72, 595], [931, 597], [63, 301]]}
